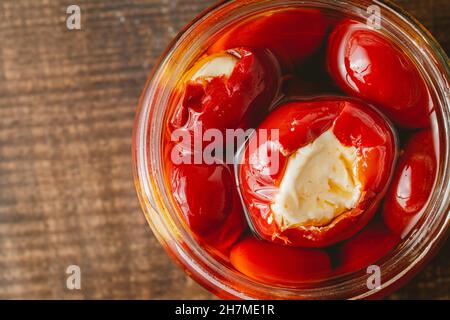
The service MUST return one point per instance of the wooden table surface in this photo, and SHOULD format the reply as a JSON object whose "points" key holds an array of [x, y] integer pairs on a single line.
{"points": [[67, 101]]}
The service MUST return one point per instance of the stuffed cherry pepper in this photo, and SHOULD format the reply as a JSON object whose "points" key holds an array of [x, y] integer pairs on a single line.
{"points": [[226, 89], [318, 173]]}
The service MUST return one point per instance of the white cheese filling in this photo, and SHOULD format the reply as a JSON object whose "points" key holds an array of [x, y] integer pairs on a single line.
{"points": [[217, 65], [320, 183]]}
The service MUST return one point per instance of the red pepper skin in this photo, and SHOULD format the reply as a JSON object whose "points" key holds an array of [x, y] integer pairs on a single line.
{"points": [[299, 124], [228, 103], [367, 65], [208, 199], [292, 35], [221, 239], [277, 264], [366, 248], [412, 183]]}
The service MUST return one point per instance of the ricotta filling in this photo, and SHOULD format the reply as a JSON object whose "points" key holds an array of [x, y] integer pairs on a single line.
{"points": [[319, 184], [214, 66]]}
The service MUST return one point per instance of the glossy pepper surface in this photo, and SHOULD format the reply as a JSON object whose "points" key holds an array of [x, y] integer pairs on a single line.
{"points": [[364, 63], [299, 124]]}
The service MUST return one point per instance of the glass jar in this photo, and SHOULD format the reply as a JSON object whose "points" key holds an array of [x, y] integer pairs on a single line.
{"points": [[161, 212]]}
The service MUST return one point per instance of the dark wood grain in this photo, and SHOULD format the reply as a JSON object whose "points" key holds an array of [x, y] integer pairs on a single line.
{"points": [[67, 101]]}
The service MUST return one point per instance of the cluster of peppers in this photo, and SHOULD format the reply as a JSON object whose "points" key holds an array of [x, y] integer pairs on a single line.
{"points": [[303, 73]]}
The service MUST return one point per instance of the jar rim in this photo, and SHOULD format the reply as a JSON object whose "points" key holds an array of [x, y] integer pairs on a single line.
{"points": [[162, 215]]}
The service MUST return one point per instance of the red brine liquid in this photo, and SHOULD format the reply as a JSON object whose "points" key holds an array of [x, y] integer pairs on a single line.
{"points": [[357, 159]]}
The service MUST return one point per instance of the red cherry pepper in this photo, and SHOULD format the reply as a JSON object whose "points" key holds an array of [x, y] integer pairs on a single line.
{"points": [[228, 102], [272, 263], [366, 248], [292, 35], [299, 124], [412, 183], [208, 198], [364, 63]]}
